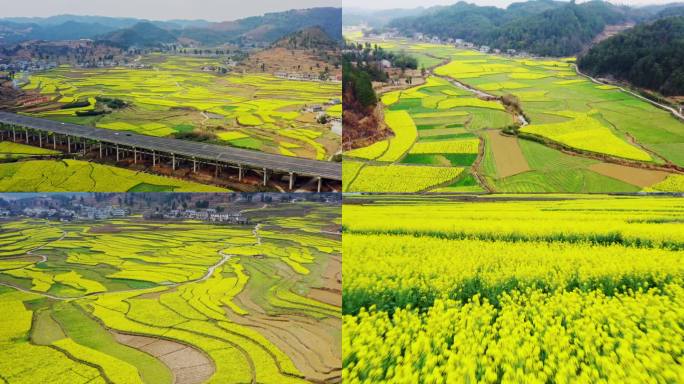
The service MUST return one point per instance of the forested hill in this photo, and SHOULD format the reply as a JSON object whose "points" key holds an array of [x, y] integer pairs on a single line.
{"points": [[544, 27], [648, 55], [308, 38]]}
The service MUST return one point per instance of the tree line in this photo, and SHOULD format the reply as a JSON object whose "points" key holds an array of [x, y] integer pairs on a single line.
{"points": [[548, 28]]}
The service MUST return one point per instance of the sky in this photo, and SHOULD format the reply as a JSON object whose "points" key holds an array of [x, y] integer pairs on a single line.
{"points": [[385, 4], [212, 10]]}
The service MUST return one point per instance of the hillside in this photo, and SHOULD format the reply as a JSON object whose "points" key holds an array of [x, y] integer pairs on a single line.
{"points": [[362, 117], [649, 56], [559, 31], [307, 38], [142, 34], [268, 28], [309, 52], [543, 27]]}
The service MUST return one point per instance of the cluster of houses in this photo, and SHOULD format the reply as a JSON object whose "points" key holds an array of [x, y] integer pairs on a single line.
{"points": [[78, 212], [96, 213], [28, 66], [83, 212], [458, 43], [319, 110], [209, 214], [305, 76]]}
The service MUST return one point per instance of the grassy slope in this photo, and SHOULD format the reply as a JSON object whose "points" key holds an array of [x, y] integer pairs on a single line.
{"points": [[554, 171], [86, 331], [81, 176]]}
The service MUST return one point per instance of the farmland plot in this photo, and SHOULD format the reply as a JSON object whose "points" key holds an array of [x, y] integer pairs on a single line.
{"points": [[83, 176], [576, 122], [100, 302], [435, 141], [172, 96], [569, 289]]}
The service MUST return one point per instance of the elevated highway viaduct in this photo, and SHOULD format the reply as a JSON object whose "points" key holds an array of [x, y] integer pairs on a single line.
{"points": [[101, 143]]}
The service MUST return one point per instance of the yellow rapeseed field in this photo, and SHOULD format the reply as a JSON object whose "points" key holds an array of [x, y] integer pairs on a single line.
{"points": [[553, 289]]}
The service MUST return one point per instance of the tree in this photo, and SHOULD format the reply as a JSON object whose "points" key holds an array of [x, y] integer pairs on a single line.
{"points": [[648, 55]]}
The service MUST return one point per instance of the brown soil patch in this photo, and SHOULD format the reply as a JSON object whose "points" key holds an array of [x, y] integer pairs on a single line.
{"points": [[332, 297], [508, 156], [636, 176], [313, 345], [280, 59], [331, 291], [610, 31], [188, 365]]}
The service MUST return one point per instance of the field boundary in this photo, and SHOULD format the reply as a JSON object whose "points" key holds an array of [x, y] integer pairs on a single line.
{"points": [[673, 111], [672, 168]]}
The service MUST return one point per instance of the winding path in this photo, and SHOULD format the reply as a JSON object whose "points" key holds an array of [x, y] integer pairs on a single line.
{"points": [[483, 95], [43, 258], [188, 364]]}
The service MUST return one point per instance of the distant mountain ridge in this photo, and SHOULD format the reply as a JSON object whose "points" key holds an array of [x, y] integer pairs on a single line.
{"points": [[130, 31], [143, 34], [541, 27]]}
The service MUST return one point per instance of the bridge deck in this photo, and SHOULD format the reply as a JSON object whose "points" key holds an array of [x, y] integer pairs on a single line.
{"points": [[211, 152]]}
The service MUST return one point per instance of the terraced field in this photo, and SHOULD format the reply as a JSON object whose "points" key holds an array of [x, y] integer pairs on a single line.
{"points": [[525, 289], [135, 301], [75, 175], [435, 141], [581, 136], [14, 151], [173, 96]]}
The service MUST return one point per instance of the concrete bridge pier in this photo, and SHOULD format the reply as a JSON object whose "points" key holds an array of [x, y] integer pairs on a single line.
{"points": [[88, 141]]}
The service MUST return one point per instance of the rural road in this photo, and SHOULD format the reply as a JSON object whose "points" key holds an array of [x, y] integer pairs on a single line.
{"points": [[482, 95], [43, 259]]}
